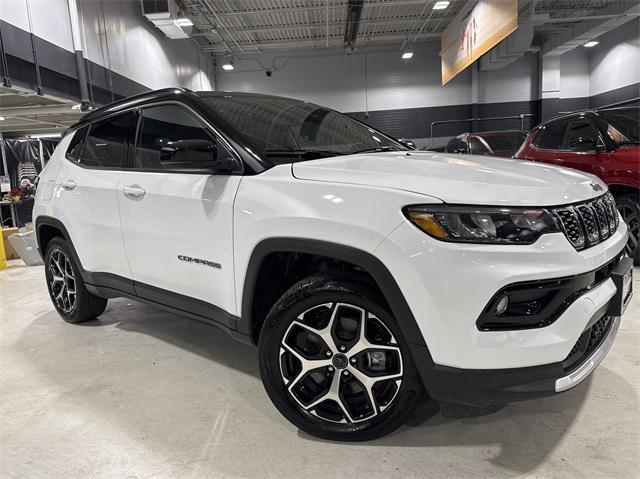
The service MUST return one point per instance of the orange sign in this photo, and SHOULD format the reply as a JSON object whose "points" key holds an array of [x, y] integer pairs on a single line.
{"points": [[475, 31]]}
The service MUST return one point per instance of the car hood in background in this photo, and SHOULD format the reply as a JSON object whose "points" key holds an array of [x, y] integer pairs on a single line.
{"points": [[464, 179]]}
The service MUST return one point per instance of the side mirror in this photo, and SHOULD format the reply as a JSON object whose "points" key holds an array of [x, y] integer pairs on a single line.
{"points": [[224, 164], [408, 143], [584, 144]]}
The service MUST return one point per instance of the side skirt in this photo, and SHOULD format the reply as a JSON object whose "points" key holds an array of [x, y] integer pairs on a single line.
{"points": [[109, 285]]}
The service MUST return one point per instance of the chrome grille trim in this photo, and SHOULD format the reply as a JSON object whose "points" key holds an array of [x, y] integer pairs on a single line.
{"points": [[589, 223]]}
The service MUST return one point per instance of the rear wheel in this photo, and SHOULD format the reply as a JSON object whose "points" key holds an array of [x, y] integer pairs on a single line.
{"points": [[334, 362], [629, 209], [67, 290]]}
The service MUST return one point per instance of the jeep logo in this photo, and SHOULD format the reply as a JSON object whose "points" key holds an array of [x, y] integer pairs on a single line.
{"points": [[596, 187]]}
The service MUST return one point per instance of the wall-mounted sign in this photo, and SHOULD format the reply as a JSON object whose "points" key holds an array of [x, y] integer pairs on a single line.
{"points": [[476, 30]]}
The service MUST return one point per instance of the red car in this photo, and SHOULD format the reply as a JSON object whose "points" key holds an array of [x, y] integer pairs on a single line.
{"points": [[605, 143], [494, 143]]}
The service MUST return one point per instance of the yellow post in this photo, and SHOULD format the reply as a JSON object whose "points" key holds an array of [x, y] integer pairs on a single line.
{"points": [[3, 258]]}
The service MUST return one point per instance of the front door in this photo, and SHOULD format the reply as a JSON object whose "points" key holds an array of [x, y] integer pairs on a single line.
{"points": [[177, 216], [581, 146]]}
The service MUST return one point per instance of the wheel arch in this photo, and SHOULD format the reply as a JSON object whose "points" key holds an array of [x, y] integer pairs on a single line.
{"points": [[363, 260], [46, 228], [619, 189]]}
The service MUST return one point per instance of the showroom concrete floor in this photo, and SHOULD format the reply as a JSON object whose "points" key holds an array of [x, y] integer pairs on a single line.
{"points": [[143, 393]]}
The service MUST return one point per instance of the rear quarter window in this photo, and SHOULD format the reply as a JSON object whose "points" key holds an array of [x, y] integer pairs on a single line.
{"points": [[74, 151]]}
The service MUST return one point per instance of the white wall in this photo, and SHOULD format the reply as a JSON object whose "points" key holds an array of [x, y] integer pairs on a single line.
{"points": [[574, 74], [338, 81], [517, 81], [136, 49], [615, 62], [50, 19]]}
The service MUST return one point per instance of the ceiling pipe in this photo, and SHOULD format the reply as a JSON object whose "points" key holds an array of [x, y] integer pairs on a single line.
{"points": [[85, 102], [352, 24]]}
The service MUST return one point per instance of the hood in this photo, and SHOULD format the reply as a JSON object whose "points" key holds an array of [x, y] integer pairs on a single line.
{"points": [[462, 179]]}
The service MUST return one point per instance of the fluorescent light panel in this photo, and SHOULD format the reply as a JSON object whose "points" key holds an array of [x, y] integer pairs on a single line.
{"points": [[184, 22], [591, 43], [407, 55], [441, 5]]}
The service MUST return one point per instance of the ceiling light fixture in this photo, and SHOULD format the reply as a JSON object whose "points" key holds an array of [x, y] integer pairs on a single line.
{"points": [[591, 43], [184, 22], [1, 118], [408, 55], [227, 65], [45, 135], [441, 5]]}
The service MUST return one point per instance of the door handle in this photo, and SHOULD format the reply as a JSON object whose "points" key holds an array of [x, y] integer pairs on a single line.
{"points": [[134, 191], [68, 184]]}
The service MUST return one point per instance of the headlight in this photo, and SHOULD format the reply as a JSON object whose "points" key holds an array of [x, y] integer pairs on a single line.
{"points": [[471, 224]]}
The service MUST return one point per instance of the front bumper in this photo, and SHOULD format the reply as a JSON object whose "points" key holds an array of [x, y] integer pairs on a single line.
{"points": [[482, 388], [447, 286]]}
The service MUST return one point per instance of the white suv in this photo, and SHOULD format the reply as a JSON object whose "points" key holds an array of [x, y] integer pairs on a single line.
{"points": [[366, 272]]}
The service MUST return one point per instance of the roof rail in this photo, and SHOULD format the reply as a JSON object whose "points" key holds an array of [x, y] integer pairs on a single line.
{"points": [[125, 101], [567, 113]]}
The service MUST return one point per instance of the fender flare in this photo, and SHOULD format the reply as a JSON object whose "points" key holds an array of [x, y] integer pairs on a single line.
{"points": [[57, 224], [368, 262]]}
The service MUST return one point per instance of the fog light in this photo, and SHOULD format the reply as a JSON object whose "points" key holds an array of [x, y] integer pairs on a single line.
{"points": [[502, 305]]}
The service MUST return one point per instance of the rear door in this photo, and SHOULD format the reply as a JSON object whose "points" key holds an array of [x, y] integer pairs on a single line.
{"points": [[177, 217], [582, 144], [86, 194]]}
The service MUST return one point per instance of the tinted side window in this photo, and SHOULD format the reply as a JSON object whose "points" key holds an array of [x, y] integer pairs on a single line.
{"points": [[455, 145], [106, 144], [550, 138], [477, 147], [77, 143], [170, 137], [580, 129]]}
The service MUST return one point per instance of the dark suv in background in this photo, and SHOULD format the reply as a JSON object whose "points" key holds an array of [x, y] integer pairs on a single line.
{"points": [[494, 143], [605, 143]]}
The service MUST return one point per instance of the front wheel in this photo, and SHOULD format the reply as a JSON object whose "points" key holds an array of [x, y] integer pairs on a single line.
{"points": [[334, 362], [629, 209]]}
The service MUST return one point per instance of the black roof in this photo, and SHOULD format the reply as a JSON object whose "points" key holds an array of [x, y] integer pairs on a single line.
{"points": [[157, 95]]}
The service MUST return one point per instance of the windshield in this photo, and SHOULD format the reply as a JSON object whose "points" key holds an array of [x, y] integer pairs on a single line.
{"points": [[508, 142], [623, 125], [286, 130]]}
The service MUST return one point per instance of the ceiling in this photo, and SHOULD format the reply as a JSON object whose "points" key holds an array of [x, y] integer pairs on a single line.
{"points": [[251, 26], [23, 112]]}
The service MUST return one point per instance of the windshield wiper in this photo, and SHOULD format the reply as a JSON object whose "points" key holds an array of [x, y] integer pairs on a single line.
{"points": [[304, 154], [376, 150]]}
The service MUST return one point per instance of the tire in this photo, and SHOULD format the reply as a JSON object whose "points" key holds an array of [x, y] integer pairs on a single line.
{"points": [[629, 209], [300, 325], [66, 289]]}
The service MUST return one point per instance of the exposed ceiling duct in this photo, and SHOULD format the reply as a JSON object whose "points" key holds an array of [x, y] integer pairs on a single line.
{"points": [[164, 14], [510, 49], [614, 15], [352, 24]]}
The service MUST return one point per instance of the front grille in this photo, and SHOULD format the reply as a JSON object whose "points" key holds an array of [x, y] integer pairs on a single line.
{"points": [[588, 341], [587, 224]]}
